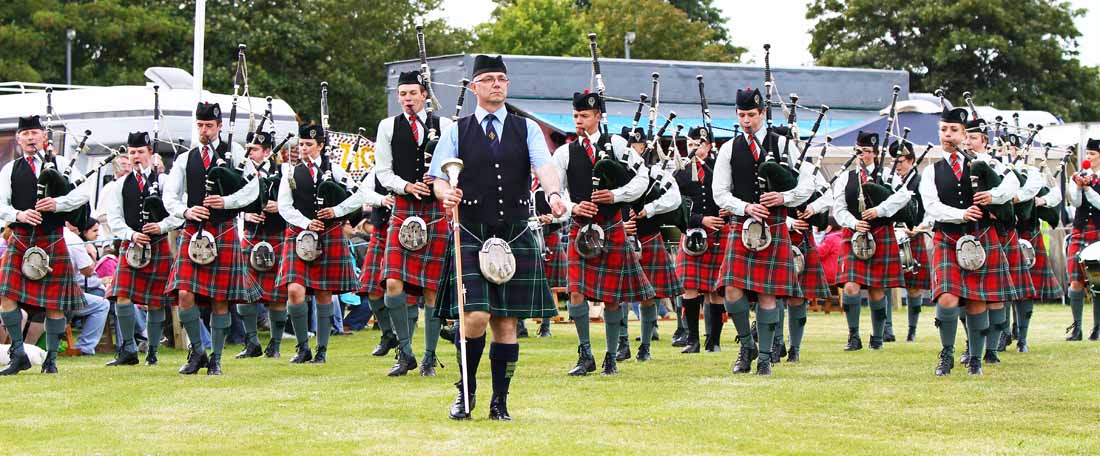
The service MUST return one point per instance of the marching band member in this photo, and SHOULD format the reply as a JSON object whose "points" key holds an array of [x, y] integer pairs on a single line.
{"points": [[814, 284], [1046, 285], [370, 279], [1086, 230], [919, 279]]}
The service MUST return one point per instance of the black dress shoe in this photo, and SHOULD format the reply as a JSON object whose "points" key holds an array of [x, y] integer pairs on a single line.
{"points": [[124, 358], [384, 346], [678, 334], [271, 351], [49, 365], [458, 412], [964, 359], [610, 367], [250, 351], [974, 367], [754, 333], [774, 357], [1021, 347], [946, 363], [302, 354], [912, 334], [447, 333], [656, 336], [743, 364], [544, 332], [1073, 332], [876, 343], [643, 353], [498, 408], [779, 350], [321, 356], [195, 361], [427, 365], [404, 364], [522, 332], [792, 355], [991, 357], [1095, 334], [764, 364], [680, 341], [623, 353], [888, 335], [151, 357], [585, 361], [782, 346], [1003, 341], [691, 347], [854, 342], [17, 363], [214, 367], [711, 346]]}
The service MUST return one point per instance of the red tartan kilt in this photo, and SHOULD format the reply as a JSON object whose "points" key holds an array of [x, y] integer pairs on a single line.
{"points": [[370, 280], [991, 283], [58, 290], [922, 279], [770, 271], [145, 285], [1078, 240], [701, 272], [814, 285], [615, 276], [333, 271], [266, 279], [883, 270], [557, 265], [1047, 287], [1021, 278], [659, 269], [225, 279], [420, 269]]}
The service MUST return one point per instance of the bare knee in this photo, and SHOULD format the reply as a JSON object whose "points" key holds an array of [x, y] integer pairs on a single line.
{"points": [[876, 294], [394, 287], [852, 288], [734, 294], [296, 292]]}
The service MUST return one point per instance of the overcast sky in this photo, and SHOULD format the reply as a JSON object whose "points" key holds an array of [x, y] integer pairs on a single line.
{"points": [[753, 23]]}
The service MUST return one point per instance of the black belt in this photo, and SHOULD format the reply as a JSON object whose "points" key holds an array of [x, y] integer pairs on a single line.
{"points": [[961, 228]]}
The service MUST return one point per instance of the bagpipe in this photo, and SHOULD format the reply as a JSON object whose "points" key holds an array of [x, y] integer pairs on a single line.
{"points": [[138, 256]]}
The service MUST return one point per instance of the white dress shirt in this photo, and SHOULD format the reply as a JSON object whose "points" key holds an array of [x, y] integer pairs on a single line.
{"points": [[175, 191], [286, 198], [723, 181], [383, 150], [619, 147], [73, 200], [116, 217], [844, 215]]}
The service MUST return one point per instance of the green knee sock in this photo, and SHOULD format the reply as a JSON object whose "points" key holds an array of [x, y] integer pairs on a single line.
{"points": [[878, 317], [55, 328], [299, 317], [219, 325], [1095, 310], [381, 314], [126, 322], [739, 313], [914, 302], [947, 320], [13, 322], [797, 324], [278, 326], [1023, 317], [611, 330], [767, 320], [249, 314], [889, 309], [782, 306], [649, 323], [579, 314], [397, 307], [1077, 304], [431, 329], [155, 326], [1009, 309], [189, 319], [977, 329], [996, 326], [851, 306], [413, 314], [624, 323], [324, 323]]}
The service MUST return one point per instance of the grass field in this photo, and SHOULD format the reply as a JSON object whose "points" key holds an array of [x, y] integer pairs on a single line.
{"points": [[886, 402]]}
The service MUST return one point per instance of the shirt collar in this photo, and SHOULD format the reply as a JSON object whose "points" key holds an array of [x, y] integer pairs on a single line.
{"points": [[143, 171], [594, 137], [480, 113], [421, 115]]}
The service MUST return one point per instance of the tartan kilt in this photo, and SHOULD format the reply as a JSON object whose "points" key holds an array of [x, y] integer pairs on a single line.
{"points": [[883, 270], [420, 269], [145, 285], [814, 285], [333, 271], [614, 277], [658, 268], [526, 295], [370, 280], [769, 271], [990, 284], [266, 279], [701, 272], [922, 279], [1078, 240], [58, 290], [1047, 287], [557, 266], [227, 278], [1021, 278]]}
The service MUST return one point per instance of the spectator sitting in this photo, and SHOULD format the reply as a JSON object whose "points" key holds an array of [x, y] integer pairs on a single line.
{"points": [[94, 313]]}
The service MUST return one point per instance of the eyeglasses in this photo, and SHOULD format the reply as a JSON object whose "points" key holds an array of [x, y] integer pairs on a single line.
{"points": [[491, 80]]}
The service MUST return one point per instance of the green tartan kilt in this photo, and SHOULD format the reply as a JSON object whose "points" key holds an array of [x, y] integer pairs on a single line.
{"points": [[527, 295]]}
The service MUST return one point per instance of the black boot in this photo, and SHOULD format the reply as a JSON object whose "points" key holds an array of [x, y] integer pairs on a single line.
{"points": [[1073, 332], [743, 364], [250, 351], [303, 355], [124, 358], [679, 338], [498, 408], [457, 409], [586, 363], [151, 357], [271, 351], [387, 343], [755, 335], [49, 365], [623, 353], [321, 356], [854, 342], [888, 335], [522, 331], [1003, 341], [1021, 346], [764, 364], [691, 347], [609, 367], [403, 365], [876, 343], [656, 336], [544, 331], [974, 367], [964, 359], [912, 335], [778, 351], [1095, 334], [947, 362], [792, 355], [17, 362], [195, 361], [711, 345], [991, 357], [427, 365], [643, 353], [214, 367]]}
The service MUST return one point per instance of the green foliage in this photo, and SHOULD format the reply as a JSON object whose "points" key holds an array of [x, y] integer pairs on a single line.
{"points": [[1012, 54]]}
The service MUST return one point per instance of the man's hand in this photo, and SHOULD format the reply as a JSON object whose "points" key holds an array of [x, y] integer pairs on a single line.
{"points": [[631, 227], [585, 209], [389, 201], [140, 238], [272, 207], [316, 225], [863, 226], [418, 189], [603, 197], [557, 206], [151, 229], [545, 219], [451, 198], [983, 198], [809, 212], [870, 214], [214, 201], [973, 214], [713, 223], [254, 218], [771, 199], [327, 213], [757, 211], [724, 213], [801, 225], [1081, 181], [29, 216], [640, 215], [197, 213], [1039, 201], [427, 179], [45, 205]]}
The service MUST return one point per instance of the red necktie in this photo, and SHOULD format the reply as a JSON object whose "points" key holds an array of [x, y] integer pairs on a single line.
{"points": [[141, 182], [416, 131], [312, 172], [956, 167], [752, 147], [588, 148], [702, 173], [206, 156], [863, 175], [534, 184], [30, 160]]}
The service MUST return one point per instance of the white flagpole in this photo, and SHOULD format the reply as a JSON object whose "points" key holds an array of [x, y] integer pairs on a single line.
{"points": [[197, 62]]}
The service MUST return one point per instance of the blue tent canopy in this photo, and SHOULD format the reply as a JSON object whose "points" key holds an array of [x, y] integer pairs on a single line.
{"points": [[924, 129]]}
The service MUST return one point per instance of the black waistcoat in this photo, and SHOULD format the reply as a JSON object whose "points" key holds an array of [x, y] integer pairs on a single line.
{"points": [[579, 173], [133, 200], [851, 198], [195, 177], [495, 188], [408, 157], [24, 195], [700, 193], [956, 193], [743, 167], [304, 192], [914, 187], [274, 223], [380, 215], [1086, 213]]}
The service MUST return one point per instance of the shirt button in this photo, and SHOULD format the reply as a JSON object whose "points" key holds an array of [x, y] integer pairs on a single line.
{"points": [[501, 212], [498, 165], [500, 201], [498, 177], [500, 189]]}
